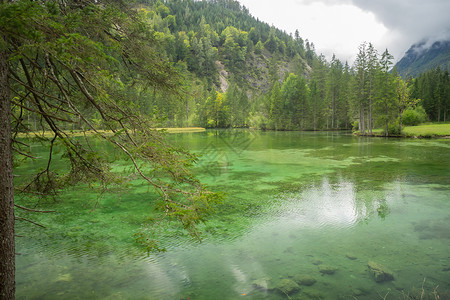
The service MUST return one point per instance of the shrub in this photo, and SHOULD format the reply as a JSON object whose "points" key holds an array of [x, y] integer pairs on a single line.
{"points": [[414, 116], [355, 126], [394, 128]]}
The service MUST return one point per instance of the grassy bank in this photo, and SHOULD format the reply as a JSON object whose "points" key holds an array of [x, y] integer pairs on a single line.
{"points": [[437, 130], [428, 130], [89, 132], [183, 129]]}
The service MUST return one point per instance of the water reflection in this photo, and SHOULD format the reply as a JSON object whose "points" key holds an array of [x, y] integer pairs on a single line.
{"points": [[327, 204]]}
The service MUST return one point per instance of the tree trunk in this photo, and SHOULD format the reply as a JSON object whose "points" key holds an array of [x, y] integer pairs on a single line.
{"points": [[187, 112], [370, 115], [361, 121], [332, 112], [387, 120], [368, 120], [7, 247], [439, 112]]}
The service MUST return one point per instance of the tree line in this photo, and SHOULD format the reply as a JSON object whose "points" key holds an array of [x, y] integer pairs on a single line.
{"points": [[312, 94], [273, 80]]}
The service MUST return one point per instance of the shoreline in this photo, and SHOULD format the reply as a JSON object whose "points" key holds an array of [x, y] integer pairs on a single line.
{"points": [[75, 133]]}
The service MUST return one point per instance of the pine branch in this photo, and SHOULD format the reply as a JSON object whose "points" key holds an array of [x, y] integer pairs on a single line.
{"points": [[34, 210], [32, 222]]}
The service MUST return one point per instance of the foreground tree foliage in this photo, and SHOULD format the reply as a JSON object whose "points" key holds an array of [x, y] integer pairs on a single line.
{"points": [[68, 65]]}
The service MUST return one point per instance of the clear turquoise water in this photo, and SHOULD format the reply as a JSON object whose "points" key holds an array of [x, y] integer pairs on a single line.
{"points": [[295, 202]]}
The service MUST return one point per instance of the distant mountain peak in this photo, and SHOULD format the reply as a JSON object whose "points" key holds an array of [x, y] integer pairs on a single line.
{"points": [[423, 56]]}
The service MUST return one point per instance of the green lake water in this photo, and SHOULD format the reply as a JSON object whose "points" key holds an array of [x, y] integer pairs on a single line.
{"points": [[299, 206]]}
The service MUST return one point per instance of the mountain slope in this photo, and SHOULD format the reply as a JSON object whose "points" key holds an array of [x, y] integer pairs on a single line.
{"points": [[420, 58]]}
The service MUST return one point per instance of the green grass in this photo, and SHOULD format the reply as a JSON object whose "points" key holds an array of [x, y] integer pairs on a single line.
{"points": [[423, 131], [428, 130]]}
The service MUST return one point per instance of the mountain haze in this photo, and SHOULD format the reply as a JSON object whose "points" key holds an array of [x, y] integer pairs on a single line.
{"points": [[422, 57]]}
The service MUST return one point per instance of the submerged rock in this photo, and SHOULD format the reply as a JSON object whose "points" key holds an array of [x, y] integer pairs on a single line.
{"points": [[379, 272], [313, 295], [64, 277], [317, 262], [288, 287], [327, 269], [357, 292], [351, 256], [261, 284], [305, 280]]}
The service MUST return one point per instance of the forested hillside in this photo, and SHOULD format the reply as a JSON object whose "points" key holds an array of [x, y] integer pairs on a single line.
{"points": [[229, 59], [422, 57], [235, 71], [241, 72], [433, 88]]}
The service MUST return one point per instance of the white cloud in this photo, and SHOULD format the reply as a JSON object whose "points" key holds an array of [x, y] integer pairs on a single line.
{"points": [[339, 26], [333, 27]]}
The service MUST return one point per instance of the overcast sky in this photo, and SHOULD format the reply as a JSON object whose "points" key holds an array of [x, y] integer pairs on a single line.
{"points": [[340, 26]]}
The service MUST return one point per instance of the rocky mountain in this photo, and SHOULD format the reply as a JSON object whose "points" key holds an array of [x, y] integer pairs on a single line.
{"points": [[424, 56]]}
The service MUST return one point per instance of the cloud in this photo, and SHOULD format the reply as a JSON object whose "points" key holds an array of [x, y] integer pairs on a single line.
{"points": [[334, 26], [340, 26], [408, 21]]}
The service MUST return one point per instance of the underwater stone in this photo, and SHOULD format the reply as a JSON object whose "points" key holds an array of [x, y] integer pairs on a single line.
{"points": [[261, 284], [305, 280], [288, 287], [357, 292], [361, 291], [314, 295], [379, 272], [64, 277], [327, 269], [351, 256], [398, 287]]}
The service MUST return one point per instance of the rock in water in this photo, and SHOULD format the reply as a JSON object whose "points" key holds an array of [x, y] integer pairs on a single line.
{"points": [[379, 272], [288, 287], [305, 280], [327, 269], [261, 284], [351, 256], [317, 262]]}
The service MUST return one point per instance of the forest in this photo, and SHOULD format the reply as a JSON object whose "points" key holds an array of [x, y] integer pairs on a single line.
{"points": [[239, 72], [273, 80]]}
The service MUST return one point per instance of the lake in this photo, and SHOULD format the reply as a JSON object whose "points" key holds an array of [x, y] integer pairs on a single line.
{"points": [[305, 214]]}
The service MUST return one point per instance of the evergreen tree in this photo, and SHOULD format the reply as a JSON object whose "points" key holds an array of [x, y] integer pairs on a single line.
{"points": [[386, 99], [334, 81], [360, 86], [319, 76], [276, 108]]}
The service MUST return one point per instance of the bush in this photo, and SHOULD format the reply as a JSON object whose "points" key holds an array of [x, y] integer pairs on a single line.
{"points": [[394, 128], [355, 126], [257, 121], [413, 117]]}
